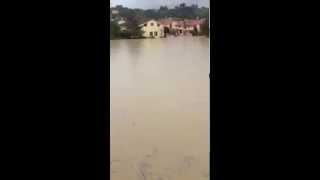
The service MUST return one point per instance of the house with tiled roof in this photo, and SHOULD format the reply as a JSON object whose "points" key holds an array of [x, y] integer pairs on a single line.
{"points": [[181, 26], [174, 26], [192, 25]]}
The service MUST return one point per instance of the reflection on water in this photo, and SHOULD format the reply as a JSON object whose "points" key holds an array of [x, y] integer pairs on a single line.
{"points": [[160, 109]]}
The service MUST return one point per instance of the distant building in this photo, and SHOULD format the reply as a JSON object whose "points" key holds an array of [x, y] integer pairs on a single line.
{"points": [[152, 29], [181, 26]]}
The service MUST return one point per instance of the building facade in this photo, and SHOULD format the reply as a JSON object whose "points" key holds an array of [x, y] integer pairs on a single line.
{"points": [[181, 26], [152, 29]]}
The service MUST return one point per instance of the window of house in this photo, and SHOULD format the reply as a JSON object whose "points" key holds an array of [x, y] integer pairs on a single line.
{"points": [[145, 24], [155, 33], [151, 24], [151, 34], [158, 25]]}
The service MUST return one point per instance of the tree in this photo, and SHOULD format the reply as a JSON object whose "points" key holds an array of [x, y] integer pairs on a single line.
{"points": [[163, 8], [205, 27], [182, 5], [194, 6], [114, 30], [134, 30], [152, 14], [118, 7], [163, 12], [202, 12], [180, 11]]}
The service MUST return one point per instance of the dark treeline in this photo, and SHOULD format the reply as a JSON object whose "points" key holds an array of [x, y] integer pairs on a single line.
{"points": [[114, 30], [205, 28], [181, 11]]}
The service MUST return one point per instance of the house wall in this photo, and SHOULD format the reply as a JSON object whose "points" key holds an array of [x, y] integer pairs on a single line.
{"points": [[155, 28], [191, 28]]}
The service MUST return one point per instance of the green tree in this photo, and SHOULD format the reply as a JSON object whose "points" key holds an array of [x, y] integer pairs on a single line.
{"points": [[202, 12], [163, 8], [180, 11], [163, 12], [182, 5], [205, 27], [114, 30], [119, 7], [134, 31], [152, 14]]}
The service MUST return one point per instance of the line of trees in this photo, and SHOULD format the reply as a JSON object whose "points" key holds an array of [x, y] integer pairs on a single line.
{"points": [[181, 11], [132, 29], [205, 27], [114, 30]]}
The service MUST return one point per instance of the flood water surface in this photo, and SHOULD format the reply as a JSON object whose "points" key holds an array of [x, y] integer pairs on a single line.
{"points": [[159, 90]]}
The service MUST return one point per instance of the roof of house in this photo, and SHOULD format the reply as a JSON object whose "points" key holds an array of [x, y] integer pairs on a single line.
{"points": [[146, 21], [165, 21], [187, 22], [177, 21]]}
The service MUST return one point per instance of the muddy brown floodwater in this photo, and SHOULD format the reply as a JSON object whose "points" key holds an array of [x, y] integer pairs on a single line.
{"points": [[160, 109]]}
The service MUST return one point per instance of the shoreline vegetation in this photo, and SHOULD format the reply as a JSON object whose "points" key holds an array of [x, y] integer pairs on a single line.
{"points": [[134, 17]]}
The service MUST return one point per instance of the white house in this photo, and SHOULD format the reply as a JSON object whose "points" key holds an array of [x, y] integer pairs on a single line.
{"points": [[152, 29], [181, 26]]}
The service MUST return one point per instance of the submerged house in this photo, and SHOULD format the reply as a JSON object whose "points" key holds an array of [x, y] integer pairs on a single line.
{"points": [[193, 25], [152, 29], [178, 27], [173, 26]]}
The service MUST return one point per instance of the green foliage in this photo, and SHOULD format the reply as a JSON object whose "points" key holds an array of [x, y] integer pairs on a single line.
{"points": [[114, 30], [133, 23], [134, 17], [181, 11], [205, 28]]}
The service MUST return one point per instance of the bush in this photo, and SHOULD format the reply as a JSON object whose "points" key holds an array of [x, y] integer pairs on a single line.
{"points": [[114, 30], [194, 32], [205, 28], [125, 35]]}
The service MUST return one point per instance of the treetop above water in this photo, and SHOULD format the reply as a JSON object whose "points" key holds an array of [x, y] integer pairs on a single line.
{"points": [[181, 11]]}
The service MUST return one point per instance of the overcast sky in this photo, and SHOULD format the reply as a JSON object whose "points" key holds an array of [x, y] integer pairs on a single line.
{"points": [[155, 4]]}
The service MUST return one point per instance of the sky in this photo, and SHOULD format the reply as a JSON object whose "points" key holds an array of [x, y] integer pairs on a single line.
{"points": [[155, 4]]}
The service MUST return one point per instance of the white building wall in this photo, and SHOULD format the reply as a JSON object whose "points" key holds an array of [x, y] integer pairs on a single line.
{"points": [[157, 31]]}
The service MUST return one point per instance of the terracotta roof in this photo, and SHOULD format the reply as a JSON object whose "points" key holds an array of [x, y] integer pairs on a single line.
{"points": [[187, 22], [141, 23]]}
